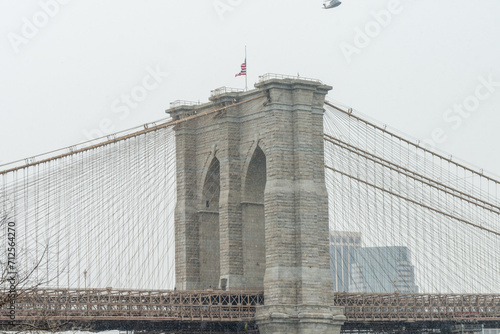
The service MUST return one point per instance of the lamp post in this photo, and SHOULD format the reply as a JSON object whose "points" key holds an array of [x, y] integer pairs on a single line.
{"points": [[85, 278]]}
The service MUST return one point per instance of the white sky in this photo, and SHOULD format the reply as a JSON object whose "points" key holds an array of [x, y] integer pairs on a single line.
{"points": [[69, 74]]}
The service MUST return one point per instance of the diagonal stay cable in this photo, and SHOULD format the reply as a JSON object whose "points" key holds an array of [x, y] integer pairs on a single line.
{"points": [[414, 202], [449, 160], [416, 176], [134, 134]]}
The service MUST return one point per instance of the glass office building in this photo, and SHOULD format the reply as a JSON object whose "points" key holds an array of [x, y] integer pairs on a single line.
{"points": [[369, 269], [343, 246], [383, 270]]}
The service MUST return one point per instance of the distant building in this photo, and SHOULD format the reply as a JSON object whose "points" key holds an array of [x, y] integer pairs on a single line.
{"points": [[382, 270], [343, 246], [369, 269]]}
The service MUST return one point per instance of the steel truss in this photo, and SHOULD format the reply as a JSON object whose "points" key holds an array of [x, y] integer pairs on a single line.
{"points": [[237, 306], [108, 304], [401, 307]]}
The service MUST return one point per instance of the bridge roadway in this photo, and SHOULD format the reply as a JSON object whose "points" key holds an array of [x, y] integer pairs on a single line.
{"points": [[111, 305]]}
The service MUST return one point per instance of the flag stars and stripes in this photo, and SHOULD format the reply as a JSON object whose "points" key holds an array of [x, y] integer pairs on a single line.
{"points": [[243, 69]]}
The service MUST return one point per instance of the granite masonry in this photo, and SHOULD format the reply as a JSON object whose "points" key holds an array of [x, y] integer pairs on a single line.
{"points": [[252, 208]]}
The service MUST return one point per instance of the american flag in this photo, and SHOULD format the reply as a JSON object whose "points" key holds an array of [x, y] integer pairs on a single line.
{"points": [[243, 69]]}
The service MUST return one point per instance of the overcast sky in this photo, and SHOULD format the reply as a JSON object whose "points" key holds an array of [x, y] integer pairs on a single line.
{"points": [[72, 70]]}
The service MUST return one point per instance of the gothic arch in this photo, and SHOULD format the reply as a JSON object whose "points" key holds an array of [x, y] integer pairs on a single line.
{"points": [[253, 229], [209, 236], [256, 144], [206, 167]]}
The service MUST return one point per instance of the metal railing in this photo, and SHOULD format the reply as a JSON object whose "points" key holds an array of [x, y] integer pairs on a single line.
{"points": [[144, 305], [177, 103], [403, 307], [235, 306], [223, 90], [269, 76]]}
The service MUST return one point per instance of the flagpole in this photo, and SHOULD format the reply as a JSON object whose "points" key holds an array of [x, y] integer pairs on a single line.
{"points": [[246, 65]]}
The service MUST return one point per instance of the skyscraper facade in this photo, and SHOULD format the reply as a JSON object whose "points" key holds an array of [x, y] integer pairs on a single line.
{"points": [[343, 247], [369, 269], [383, 270]]}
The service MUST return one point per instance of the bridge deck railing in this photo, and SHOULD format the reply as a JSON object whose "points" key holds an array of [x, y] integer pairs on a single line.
{"points": [[419, 307], [154, 305], [217, 305]]}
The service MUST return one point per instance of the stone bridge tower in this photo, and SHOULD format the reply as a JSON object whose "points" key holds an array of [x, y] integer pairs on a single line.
{"points": [[252, 207]]}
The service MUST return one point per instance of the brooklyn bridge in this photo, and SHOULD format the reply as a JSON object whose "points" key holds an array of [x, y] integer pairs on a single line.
{"points": [[271, 210]]}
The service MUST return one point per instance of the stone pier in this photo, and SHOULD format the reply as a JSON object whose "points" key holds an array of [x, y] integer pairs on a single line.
{"points": [[252, 207]]}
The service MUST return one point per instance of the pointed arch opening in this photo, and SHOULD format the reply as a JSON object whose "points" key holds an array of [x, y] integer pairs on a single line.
{"points": [[209, 228], [254, 245]]}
